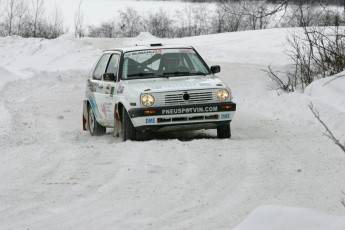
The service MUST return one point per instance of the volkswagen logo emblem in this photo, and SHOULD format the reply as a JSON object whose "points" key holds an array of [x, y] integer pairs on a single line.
{"points": [[186, 96]]}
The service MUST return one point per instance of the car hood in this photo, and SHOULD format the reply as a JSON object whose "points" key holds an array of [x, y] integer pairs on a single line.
{"points": [[175, 83]]}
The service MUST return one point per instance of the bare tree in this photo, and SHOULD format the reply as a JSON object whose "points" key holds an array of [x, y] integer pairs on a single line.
{"points": [[257, 14], [228, 17], [2, 5], [37, 17], [200, 15], [2, 9], [56, 23], [28, 19], [280, 5], [79, 21], [106, 29], [317, 52], [159, 24], [281, 81], [130, 22], [182, 28], [21, 18], [300, 53], [13, 9], [193, 20]]}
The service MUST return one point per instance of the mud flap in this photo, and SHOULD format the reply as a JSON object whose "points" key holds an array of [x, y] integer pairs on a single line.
{"points": [[85, 123], [117, 122]]}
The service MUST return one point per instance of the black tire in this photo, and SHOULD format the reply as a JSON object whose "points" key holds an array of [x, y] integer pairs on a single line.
{"points": [[128, 131], [94, 127], [224, 131]]}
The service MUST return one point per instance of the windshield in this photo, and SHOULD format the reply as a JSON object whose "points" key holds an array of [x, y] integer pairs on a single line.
{"points": [[162, 63]]}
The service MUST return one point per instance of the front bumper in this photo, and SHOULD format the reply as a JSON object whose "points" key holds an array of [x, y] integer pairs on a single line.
{"points": [[185, 117]]}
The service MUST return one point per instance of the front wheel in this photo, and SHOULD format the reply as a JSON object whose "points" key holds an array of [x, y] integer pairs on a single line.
{"points": [[95, 128], [224, 131]]}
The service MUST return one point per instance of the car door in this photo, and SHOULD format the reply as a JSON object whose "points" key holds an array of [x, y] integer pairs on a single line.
{"points": [[96, 87], [109, 83]]}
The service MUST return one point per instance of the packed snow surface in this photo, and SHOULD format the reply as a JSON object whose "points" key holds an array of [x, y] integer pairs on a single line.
{"points": [[288, 218], [278, 167]]}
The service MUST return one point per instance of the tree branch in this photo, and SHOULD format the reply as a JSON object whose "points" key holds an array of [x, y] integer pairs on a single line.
{"points": [[328, 133]]}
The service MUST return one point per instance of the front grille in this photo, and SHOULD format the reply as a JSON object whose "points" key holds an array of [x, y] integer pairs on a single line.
{"points": [[177, 98]]}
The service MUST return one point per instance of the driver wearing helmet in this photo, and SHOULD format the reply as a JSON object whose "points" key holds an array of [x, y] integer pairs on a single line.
{"points": [[173, 64]]}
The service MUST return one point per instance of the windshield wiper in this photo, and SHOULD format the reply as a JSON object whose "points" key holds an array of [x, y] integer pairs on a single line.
{"points": [[198, 73], [177, 73], [169, 74], [141, 74]]}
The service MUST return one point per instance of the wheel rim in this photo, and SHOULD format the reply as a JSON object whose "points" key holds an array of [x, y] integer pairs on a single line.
{"points": [[91, 121]]}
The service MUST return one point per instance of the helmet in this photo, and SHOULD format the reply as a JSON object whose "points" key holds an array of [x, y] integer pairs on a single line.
{"points": [[172, 63]]}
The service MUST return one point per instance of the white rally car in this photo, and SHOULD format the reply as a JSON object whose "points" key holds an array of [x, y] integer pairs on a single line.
{"points": [[155, 88]]}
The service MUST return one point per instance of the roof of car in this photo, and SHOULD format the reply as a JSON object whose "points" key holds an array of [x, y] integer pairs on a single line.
{"points": [[148, 47]]}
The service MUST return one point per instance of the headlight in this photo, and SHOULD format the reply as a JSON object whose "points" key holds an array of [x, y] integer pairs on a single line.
{"points": [[147, 99], [222, 95]]}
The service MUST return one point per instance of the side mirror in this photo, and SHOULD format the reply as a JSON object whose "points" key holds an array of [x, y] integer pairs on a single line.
{"points": [[109, 77], [215, 69]]}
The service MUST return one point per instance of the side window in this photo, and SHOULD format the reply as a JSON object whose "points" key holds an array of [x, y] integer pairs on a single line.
{"points": [[100, 68], [113, 64], [155, 65]]}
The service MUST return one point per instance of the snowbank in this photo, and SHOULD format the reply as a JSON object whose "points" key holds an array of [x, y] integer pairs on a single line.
{"points": [[261, 47], [328, 97], [20, 55]]}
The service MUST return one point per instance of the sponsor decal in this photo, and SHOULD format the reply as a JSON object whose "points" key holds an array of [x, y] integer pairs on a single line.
{"points": [[112, 91], [94, 106], [225, 116], [93, 89], [186, 51], [140, 52], [104, 110], [161, 51], [120, 89], [150, 121], [189, 110]]}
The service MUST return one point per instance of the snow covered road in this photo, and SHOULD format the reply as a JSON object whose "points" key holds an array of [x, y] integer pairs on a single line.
{"points": [[56, 176]]}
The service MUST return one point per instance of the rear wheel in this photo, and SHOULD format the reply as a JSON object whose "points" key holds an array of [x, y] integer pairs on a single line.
{"points": [[224, 131], [95, 128], [128, 131]]}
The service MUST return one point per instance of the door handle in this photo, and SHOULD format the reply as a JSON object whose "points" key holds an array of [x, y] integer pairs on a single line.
{"points": [[100, 86]]}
